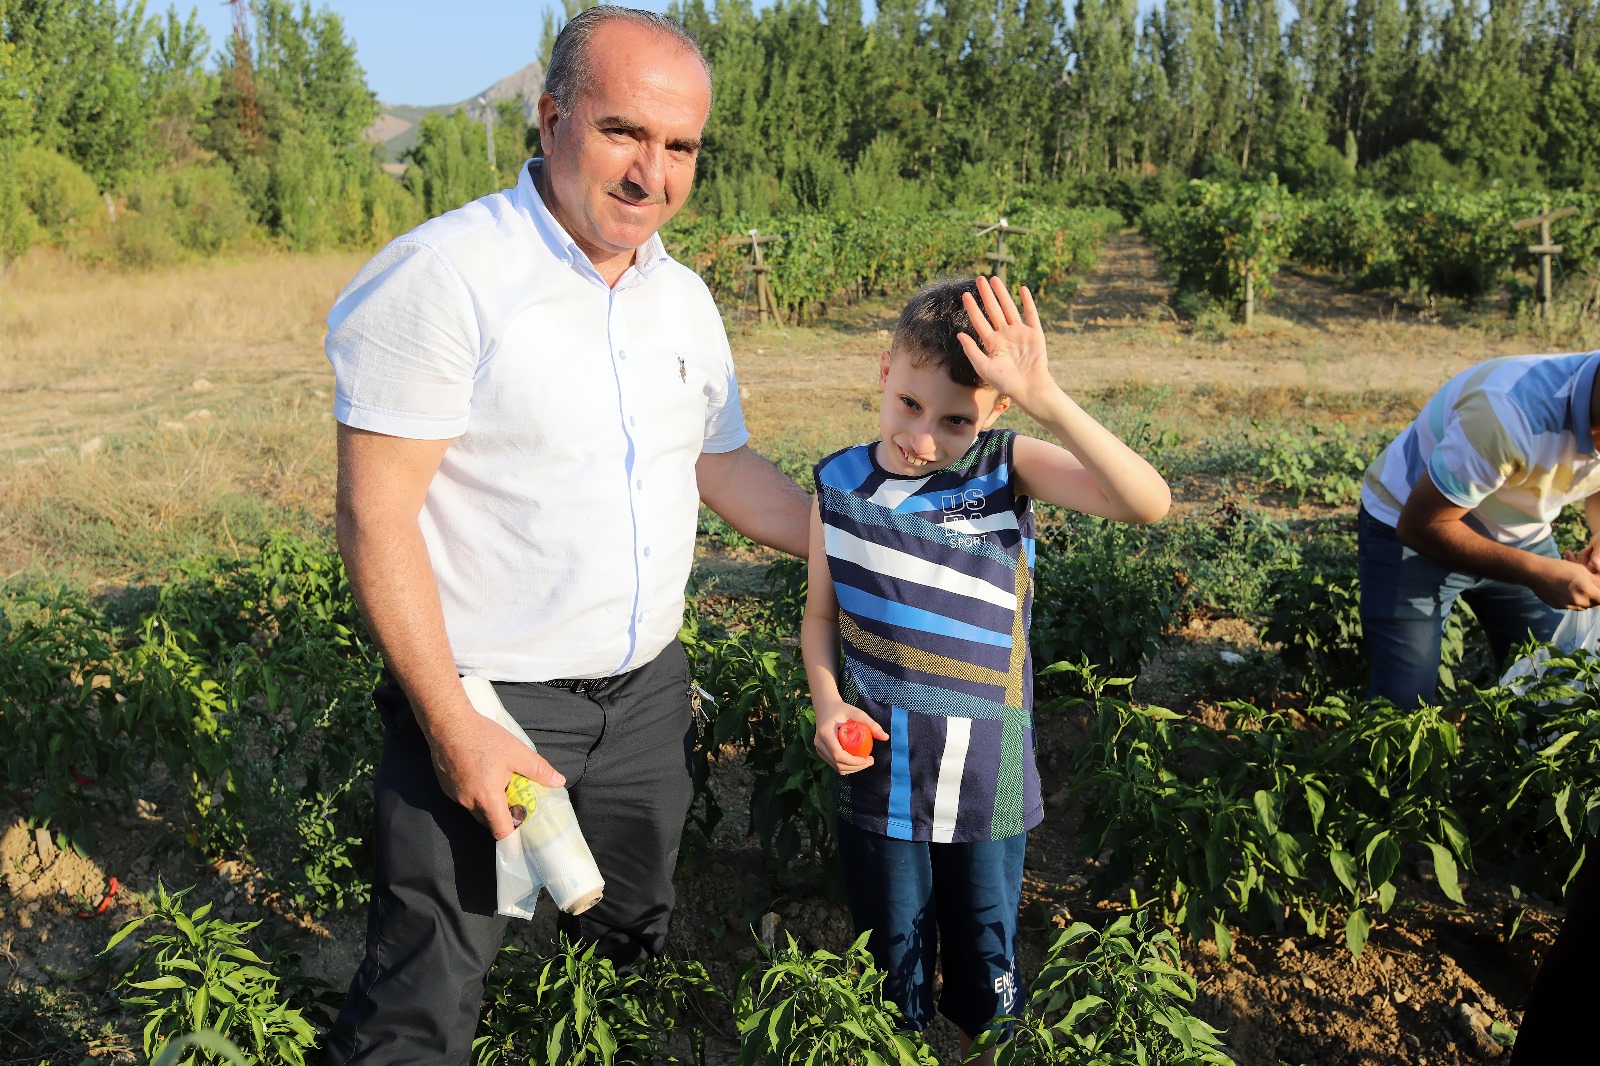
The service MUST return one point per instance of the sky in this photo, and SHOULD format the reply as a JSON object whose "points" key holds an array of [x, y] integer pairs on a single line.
{"points": [[420, 51]]}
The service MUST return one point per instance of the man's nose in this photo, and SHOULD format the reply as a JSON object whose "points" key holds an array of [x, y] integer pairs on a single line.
{"points": [[649, 167]]}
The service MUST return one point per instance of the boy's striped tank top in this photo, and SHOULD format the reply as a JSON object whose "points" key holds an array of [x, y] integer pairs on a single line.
{"points": [[934, 577]]}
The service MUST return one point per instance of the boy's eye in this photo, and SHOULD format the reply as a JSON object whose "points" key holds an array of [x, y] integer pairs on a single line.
{"points": [[909, 402], [960, 420]]}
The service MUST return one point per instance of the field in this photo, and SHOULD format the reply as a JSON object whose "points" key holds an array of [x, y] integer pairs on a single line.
{"points": [[156, 419]]}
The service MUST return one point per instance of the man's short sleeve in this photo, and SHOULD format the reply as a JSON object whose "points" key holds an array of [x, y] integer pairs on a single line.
{"points": [[404, 342], [1478, 451], [725, 429]]}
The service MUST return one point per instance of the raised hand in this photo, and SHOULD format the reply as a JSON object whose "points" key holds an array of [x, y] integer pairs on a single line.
{"points": [[1009, 349]]}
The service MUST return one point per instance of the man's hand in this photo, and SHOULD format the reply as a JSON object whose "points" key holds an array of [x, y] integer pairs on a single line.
{"points": [[1569, 583], [831, 715], [474, 759], [1009, 352], [1586, 556]]}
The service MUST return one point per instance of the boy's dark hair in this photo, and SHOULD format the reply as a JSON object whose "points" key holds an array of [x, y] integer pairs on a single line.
{"points": [[930, 327]]}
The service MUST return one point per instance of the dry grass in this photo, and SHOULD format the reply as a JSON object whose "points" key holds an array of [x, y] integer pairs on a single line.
{"points": [[150, 417], [153, 417]]}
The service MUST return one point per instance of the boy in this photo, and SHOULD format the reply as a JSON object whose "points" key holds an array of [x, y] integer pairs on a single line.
{"points": [[921, 566]]}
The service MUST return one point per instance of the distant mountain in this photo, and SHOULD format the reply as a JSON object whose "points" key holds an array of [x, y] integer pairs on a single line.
{"points": [[397, 125]]}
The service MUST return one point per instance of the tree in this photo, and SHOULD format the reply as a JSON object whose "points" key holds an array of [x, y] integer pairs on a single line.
{"points": [[449, 164], [84, 66], [180, 92]]}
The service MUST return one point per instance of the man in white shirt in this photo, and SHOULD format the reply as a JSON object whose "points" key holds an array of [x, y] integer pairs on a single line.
{"points": [[533, 398]]}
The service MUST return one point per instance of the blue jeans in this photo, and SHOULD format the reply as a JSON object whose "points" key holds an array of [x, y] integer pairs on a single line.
{"points": [[1406, 598], [953, 902]]}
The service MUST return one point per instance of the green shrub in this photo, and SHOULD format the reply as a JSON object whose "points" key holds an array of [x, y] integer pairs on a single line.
{"points": [[1413, 168], [61, 725], [1315, 613], [1117, 996], [1217, 234], [194, 210], [1348, 234], [59, 194], [793, 1007], [1243, 823], [576, 1008], [1228, 559], [199, 972], [1324, 465], [1452, 243], [832, 260], [1103, 591]]}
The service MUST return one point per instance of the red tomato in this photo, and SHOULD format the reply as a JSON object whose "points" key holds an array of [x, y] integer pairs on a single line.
{"points": [[855, 738]]}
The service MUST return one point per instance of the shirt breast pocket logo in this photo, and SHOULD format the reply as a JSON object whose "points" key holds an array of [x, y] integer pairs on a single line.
{"points": [[676, 387]]}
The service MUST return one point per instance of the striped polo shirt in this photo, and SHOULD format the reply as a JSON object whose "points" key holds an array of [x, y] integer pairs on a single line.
{"points": [[935, 585], [1509, 439]]}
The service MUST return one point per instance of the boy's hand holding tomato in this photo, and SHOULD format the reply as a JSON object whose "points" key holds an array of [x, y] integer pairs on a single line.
{"points": [[855, 738], [844, 737]]}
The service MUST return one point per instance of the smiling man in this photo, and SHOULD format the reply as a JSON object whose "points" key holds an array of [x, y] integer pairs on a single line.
{"points": [[533, 398]]}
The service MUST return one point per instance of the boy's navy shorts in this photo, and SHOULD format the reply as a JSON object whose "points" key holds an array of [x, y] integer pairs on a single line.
{"points": [[956, 903]]}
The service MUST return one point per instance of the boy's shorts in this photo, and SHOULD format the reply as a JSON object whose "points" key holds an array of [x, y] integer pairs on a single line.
{"points": [[924, 900]]}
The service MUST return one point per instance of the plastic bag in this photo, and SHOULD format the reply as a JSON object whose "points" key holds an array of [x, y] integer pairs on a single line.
{"points": [[1578, 631], [547, 852]]}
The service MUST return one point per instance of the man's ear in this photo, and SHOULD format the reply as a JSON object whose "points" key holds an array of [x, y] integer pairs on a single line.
{"points": [[1001, 406], [884, 359], [549, 115]]}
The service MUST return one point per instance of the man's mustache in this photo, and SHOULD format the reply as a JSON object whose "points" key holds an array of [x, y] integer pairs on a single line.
{"points": [[636, 193]]}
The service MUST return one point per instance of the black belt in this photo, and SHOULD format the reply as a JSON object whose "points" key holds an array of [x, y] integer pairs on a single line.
{"points": [[584, 686]]}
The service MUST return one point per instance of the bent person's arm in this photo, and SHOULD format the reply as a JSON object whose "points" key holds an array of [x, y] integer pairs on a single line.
{"points": [[382, 483], [756, 498], [1435, 526]]}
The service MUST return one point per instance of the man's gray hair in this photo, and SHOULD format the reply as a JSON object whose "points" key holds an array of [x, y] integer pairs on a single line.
{"points": [[571, 69]]}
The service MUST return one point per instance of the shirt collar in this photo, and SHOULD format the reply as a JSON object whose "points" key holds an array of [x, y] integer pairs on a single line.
{"points": [[1582, 397], [651, 254]]}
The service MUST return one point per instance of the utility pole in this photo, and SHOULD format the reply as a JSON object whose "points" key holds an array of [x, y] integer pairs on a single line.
{"points": [[488, 129]]}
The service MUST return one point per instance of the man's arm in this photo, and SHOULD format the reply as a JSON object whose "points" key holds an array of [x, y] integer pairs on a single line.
{"points": [[382, 483], [756, 498], [1433, 525]]}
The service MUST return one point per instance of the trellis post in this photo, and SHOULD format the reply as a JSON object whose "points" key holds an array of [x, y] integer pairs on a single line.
{"points": [[999, 257], [1249, 270], [766, 304], [1544, 249]]}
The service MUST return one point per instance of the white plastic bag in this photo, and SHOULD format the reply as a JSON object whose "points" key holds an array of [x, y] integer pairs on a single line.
{"points": [[548, 850], [1578, 631]]}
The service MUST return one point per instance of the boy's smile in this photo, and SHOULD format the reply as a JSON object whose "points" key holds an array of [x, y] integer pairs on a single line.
{"points": [[926, 420]]}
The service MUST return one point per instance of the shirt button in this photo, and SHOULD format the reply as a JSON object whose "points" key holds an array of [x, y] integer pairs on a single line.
{"points": [[647, 553], [622, 355], [638, 484], [631, 421]]}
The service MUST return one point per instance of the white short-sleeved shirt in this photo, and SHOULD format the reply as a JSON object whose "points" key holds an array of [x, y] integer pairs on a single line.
{"points": [[1508, 439], [561, 522]]}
